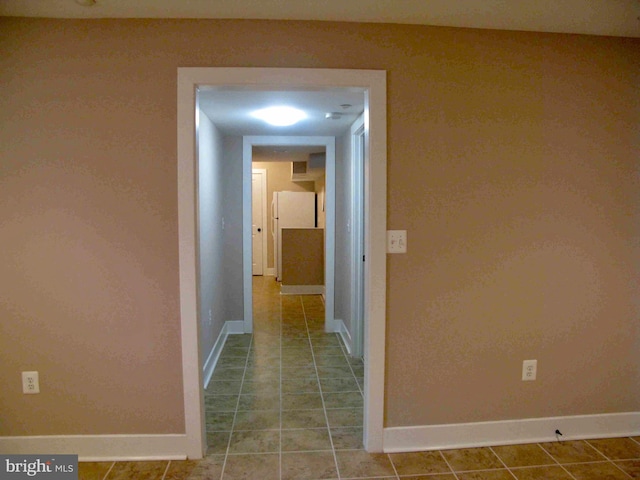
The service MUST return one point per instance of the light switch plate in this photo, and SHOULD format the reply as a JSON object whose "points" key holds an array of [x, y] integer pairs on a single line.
{"points": [[396, 241]]}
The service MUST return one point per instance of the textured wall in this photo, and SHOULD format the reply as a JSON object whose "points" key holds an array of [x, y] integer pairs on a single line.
{"points": [[211, 245], [512, 163]]}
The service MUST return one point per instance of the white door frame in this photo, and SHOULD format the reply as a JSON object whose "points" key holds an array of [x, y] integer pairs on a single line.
{"points": [[357, 234], [329, 144], [265, 218], [373, 84]]}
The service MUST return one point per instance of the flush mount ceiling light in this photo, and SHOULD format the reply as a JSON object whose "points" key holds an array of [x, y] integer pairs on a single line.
{"points": [[86, 3], [280, 116]]}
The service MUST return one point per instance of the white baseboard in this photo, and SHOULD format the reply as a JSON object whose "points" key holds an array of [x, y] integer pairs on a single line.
{"points": [[270, 272], [93, 448], [233, 327], [510, 432], [101, 448], [212, 360], [341, 329], [302, 289], [230, 327]]}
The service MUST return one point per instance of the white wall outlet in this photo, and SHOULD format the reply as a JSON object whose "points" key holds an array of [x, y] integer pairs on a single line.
{"points": [[396, 241], [210, 317], [529, 370], [30, 382]]}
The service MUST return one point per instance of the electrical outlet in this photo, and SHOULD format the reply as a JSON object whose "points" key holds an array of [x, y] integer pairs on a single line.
{"points": [[396, 241], [529, 370], [30, 382], [210, 317]]}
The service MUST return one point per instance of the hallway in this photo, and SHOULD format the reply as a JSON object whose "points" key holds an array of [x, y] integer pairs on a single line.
{"points": [[286, 400]]}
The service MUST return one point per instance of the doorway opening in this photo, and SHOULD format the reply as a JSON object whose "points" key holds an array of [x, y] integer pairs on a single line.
{"points": [[324, 144], [372, 85], [289, 191]]}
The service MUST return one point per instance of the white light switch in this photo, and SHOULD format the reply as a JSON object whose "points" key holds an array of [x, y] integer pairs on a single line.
{"points": [[396, 241]]}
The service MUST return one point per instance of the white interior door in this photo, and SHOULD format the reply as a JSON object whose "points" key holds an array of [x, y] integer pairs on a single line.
{"points": [[258, 238]]}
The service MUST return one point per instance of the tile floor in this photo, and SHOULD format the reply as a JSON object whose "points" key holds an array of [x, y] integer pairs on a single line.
{"points": [[286, 404]]}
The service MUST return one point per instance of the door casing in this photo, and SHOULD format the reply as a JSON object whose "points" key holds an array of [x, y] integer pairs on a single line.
{"points": [[373, 84], [328, 143], [358, 162]]}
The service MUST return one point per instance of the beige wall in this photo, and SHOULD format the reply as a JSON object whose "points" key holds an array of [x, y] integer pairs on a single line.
{"points": [[302, 256], [279, 180], [512, 163]]}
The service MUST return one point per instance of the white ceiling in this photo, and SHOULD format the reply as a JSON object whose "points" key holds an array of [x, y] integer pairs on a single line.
{"points": [[230, 110], [593, 17]]}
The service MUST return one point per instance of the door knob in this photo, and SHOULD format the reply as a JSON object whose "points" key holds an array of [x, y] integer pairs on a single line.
{"points": [[259, 230]]}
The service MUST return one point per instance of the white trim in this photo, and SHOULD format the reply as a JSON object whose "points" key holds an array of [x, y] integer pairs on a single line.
{"points": [[341, 329], [375, 268], [234, 327], [510, 432], [193, 393], [302, 290], [270, 272], [101, 448], [373, 84], [329, 250], [212, 359], [230, 327], [357, 215]]}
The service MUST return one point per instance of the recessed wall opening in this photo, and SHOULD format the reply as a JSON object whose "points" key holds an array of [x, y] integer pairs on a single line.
{"points": [[224, 255]]}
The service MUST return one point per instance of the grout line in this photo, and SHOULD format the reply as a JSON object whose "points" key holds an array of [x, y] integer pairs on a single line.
{"points": [[324, 408], [393, 465], [109, 471], [557, 462], [608, 459], [620, 468], [548, 455], [598, 451], [448, 464], [235, 413], [166, 469], [344, 353], [482, 470], [504, 464], [572, 463]]}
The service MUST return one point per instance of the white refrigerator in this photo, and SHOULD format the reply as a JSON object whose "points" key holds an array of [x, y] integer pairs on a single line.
{"points": [[290, 210]]}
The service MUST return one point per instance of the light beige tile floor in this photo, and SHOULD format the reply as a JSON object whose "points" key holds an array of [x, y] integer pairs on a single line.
{"points": [[286, 404]]}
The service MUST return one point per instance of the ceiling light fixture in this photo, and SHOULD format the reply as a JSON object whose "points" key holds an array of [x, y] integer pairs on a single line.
{"points": [[333, 115], [280, 116], [86, 3]]}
